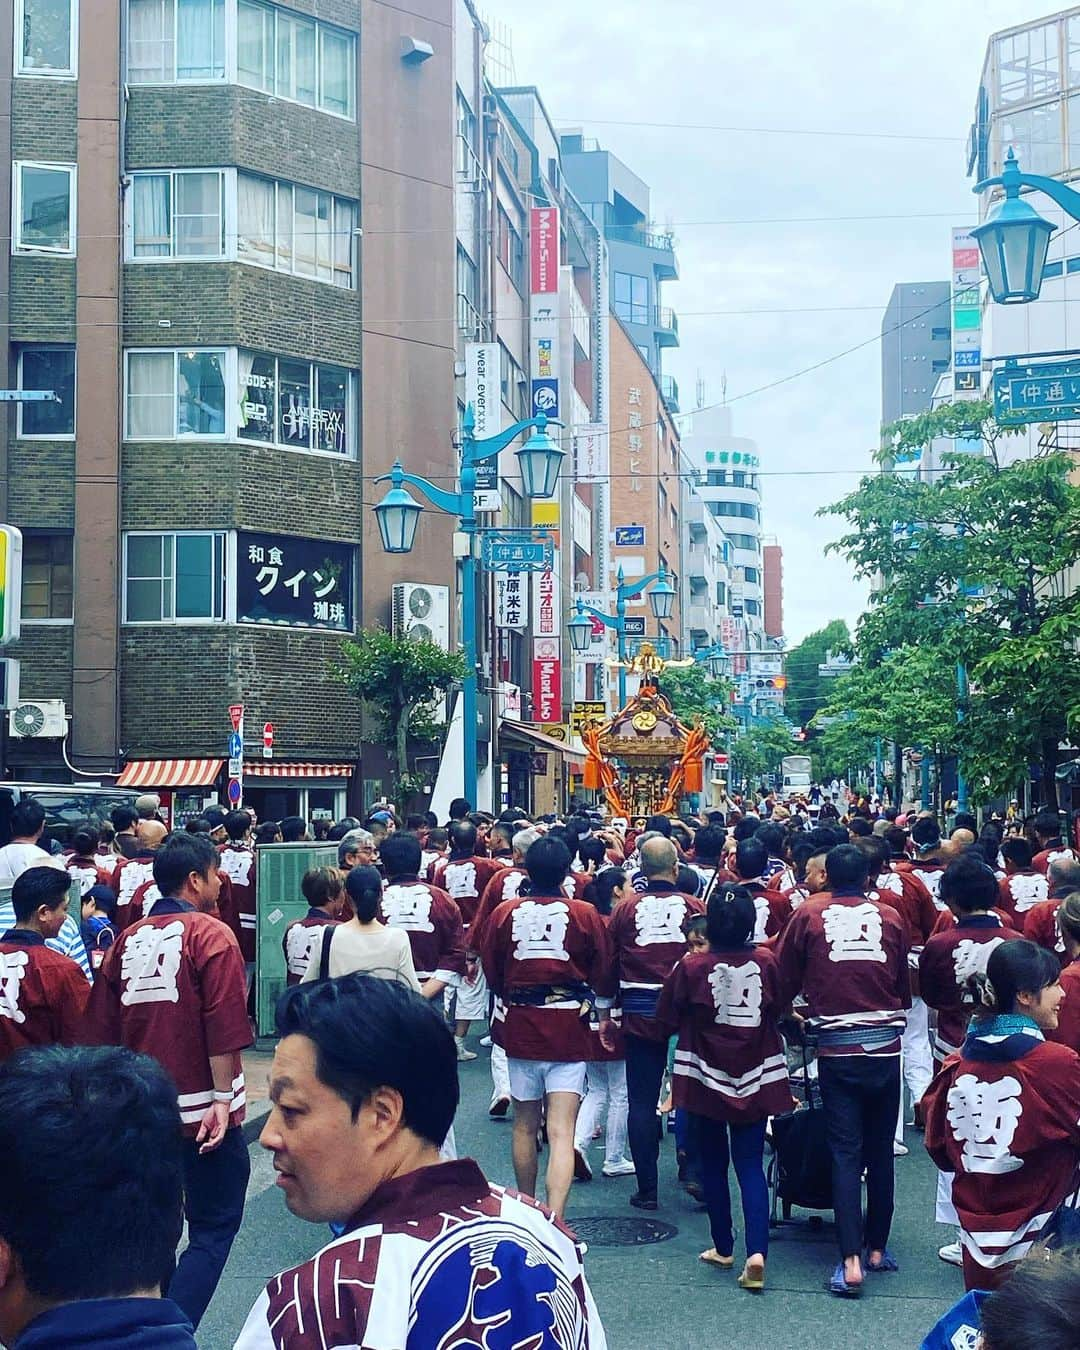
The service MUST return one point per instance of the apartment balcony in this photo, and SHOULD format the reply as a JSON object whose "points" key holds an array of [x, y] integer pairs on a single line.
{"points": [[669, 388], [697, 563], [701, 615], [666, 324]]}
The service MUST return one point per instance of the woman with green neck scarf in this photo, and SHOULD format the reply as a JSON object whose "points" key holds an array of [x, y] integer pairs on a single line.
{"points": [[1004, 1115]]}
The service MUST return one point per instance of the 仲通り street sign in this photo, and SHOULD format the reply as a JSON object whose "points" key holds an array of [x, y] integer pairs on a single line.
{"points": [[518, 555], [1043, 391]]}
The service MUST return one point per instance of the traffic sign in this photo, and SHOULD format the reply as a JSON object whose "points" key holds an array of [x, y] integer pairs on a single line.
{"points": [[236, 716], [1039, 391], [268, 740], [721, 761], [235, 791], [236, 766], [236, 745]]}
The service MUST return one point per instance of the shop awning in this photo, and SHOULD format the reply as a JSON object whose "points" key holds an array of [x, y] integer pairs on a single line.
{"points": [[170, 773], [573, 750], [268, 768]]}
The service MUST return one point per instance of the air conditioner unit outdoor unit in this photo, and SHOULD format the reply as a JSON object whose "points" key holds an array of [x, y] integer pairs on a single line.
{"points": [[46, 720], [421, 611]]}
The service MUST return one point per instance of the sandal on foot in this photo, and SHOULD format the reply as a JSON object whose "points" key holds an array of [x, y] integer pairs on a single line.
{"points": [[753, 1276], [887, 1263], [836, 1284], [713, 1258]]}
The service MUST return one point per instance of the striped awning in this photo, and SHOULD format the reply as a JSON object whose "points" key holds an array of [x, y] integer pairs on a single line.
{"points": [[170, 773], [269, 768]]}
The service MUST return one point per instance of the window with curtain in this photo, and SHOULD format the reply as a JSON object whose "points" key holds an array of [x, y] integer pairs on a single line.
{"points": [[175, 41], [44, 208], [296, 229], [174, 576], [47, 576], [297, 58], [47, 29], [178, 215], [172, 394], [51, 368]]}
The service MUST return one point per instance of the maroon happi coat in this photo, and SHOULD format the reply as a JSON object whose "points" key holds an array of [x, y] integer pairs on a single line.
{"points": [[730, 1062], [506, 884], [1022, 890], [848, 955], [911, 900], [463, 880], [949, 959], [1040, 925], [1002, 1116], [546, 942], [42, 994], [433, 924], [238, 864], [172, 987], [300, 940], [647, 940]]}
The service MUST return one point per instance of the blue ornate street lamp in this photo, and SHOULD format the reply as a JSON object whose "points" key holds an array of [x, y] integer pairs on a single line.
{"points": [[661, 602], [1014, 238], [715, 657], [398, 515]]}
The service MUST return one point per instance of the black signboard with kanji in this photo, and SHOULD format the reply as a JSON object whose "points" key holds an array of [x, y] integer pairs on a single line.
{"points": [[294, 583]]}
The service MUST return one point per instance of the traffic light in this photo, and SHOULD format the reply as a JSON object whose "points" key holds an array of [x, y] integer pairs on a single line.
{"points": [[780, 682]]}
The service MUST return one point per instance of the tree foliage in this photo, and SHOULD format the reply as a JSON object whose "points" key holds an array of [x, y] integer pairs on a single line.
{"points": [[760, 748], [970, 564], [695, 694], [807, 691], [399, 680]]}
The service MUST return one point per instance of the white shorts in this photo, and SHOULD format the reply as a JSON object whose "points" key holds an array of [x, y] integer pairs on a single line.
{"points": [[532, 1079], [472, 1000]]}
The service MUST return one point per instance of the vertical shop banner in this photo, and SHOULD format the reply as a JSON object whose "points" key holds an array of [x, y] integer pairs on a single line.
{"points": [[546, 605], [547, 680], [512, 600], [482, 390], [966, 316], [544, 250], [544, 311], [592, 454]]}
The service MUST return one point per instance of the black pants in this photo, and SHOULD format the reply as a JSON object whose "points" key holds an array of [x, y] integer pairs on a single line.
{"points": [[861, 1097], [645, 1064], [214, 1188]]}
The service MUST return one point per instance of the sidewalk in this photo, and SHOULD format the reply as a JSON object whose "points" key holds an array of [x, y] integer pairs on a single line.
{"points": [[257, 1062]]}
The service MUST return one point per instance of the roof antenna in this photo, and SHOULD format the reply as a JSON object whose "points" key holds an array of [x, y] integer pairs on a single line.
{"points": [[723, 388]]}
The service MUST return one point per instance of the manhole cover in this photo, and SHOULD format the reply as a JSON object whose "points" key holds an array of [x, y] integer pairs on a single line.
{"points": [[609, 1231]]}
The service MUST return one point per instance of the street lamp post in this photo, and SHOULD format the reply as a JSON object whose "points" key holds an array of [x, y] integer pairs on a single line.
{"points": [[1013, 239], [398, 515], [661, 601]]}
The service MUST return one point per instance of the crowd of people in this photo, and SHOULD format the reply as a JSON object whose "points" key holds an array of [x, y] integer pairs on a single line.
{"points": [[711, 970]]}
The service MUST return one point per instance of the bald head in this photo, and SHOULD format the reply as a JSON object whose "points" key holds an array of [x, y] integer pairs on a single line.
{"points": [[1063, 874], [659, 859], [961, 839], [150, 833]]}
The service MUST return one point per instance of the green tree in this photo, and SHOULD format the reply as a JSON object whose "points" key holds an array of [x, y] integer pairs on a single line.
{"points": [[972, 565], [398, 679], [760, 748], [695, 694], [807, 691]]}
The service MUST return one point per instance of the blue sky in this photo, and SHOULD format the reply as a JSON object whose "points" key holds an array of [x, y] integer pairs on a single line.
{"points": [[904, 78]]}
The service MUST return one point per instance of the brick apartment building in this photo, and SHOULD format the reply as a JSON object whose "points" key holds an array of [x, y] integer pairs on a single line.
{"points": [[233, 259]]}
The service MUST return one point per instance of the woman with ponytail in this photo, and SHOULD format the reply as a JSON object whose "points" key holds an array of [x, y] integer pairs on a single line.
{"points": [[1004, 1115], [730, 1069]]}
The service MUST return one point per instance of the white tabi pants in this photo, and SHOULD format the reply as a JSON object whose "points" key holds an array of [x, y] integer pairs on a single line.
{"points": [[607, 1085], [916, 1060], [500, 1074], [944, 1210]]}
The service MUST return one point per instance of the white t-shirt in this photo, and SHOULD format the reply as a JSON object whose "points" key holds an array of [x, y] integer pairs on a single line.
{"points": [[16, 858], [384, 952]]}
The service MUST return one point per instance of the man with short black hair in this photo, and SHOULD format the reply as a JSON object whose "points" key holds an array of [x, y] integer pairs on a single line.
{"points": [[1047, 827], [294, 830], [363, 1090], [1023, 885], [547, 958], [42, 994], [82, 1262], [848, 956], [430, 919], [931, 857], [27, 824], [773, 909], [172, 986]]}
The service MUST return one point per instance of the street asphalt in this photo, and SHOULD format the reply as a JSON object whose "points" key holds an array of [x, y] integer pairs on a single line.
{"points": [[657, 1295]]}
